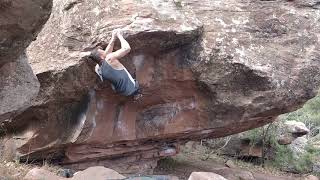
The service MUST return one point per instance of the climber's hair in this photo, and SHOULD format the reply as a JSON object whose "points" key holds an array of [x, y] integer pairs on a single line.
{"points": [[95, 55]]}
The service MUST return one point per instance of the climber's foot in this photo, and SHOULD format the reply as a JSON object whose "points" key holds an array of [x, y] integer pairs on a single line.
{"points": [[137, 97]]}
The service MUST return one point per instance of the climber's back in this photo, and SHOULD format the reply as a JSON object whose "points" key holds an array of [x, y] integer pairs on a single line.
{"points": [[121, 80]]}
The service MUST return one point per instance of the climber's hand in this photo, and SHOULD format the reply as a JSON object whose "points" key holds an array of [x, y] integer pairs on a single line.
{"points": [[114, 34], [120, 32]]}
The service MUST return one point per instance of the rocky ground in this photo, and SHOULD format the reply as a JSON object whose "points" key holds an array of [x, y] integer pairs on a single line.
{"points": [[187, 162], [180, 166]]}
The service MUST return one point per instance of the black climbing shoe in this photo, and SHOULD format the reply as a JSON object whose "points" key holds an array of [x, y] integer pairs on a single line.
{"points": [[67, 173], [137, 97]]}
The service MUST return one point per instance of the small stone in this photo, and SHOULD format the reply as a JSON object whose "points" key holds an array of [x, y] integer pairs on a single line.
{"points": [[230, 164], [285, 139]]}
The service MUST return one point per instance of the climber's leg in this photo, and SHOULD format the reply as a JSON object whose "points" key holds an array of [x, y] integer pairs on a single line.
{"points": [[138, 93]]}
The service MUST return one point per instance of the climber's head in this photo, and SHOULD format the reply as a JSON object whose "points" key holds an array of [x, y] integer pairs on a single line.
{"points": [[97, 55]]}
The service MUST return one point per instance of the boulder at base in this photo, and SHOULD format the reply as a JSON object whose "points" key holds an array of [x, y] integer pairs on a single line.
{"points": [[291, 130], [94, 173], [205, 176], [41, 174], [97, 173]]}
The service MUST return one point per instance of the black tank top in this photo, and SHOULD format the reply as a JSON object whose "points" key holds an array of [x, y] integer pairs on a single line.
{"points": [[119, 79]]}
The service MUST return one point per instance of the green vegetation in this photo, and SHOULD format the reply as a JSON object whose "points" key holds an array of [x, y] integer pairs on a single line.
{"points": [[283, 157], [309, 115], [178, 3], [285, 160], [168, 163]]}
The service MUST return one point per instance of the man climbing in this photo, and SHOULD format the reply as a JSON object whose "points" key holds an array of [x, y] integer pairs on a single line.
{"points": [[109, 67]]}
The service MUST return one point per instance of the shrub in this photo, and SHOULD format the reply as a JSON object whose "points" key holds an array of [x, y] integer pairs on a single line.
{"points": [[309, 114], [283, 157], [168, 163]]}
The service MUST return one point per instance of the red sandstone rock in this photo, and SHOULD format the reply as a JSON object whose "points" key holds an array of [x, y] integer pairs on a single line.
{"points": [[207, 69]]}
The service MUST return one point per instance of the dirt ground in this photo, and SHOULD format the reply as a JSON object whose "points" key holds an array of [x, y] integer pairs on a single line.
{"points": [[13, 171], [184, 164], [181, 166], [16, 171]]}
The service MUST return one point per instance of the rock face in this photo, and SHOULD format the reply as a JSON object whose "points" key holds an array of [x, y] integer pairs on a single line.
{"points": [[206, 68], [19, 25]]}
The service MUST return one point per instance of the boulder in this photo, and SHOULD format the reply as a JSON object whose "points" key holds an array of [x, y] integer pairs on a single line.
{"points": [[290, 130], [205, 176], [207, 69], [18, 84], [97, 173], [230, 164], [295, 127], [298, 146], [40, 174]]}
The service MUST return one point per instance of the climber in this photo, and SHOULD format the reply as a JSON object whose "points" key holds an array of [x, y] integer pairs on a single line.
{"points": [[109, 68]]}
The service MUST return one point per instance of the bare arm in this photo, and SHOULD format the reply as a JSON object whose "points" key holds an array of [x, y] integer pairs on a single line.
{"points": [[109, 48], [125, 49]]}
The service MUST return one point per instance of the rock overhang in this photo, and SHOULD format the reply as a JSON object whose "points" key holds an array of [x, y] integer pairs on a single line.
{"points": [[204, 79]]}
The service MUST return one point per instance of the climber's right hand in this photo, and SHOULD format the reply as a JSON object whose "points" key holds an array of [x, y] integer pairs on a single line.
{"points": [[114, 34], [120, 32]]}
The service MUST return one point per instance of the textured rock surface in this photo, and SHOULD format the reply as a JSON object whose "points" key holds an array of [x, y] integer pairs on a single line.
{"points": [[205, 176], [298, 146], [38, 174], [19, 25], [207, 69], [96, 173], [18, 85], [291, 130]]}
